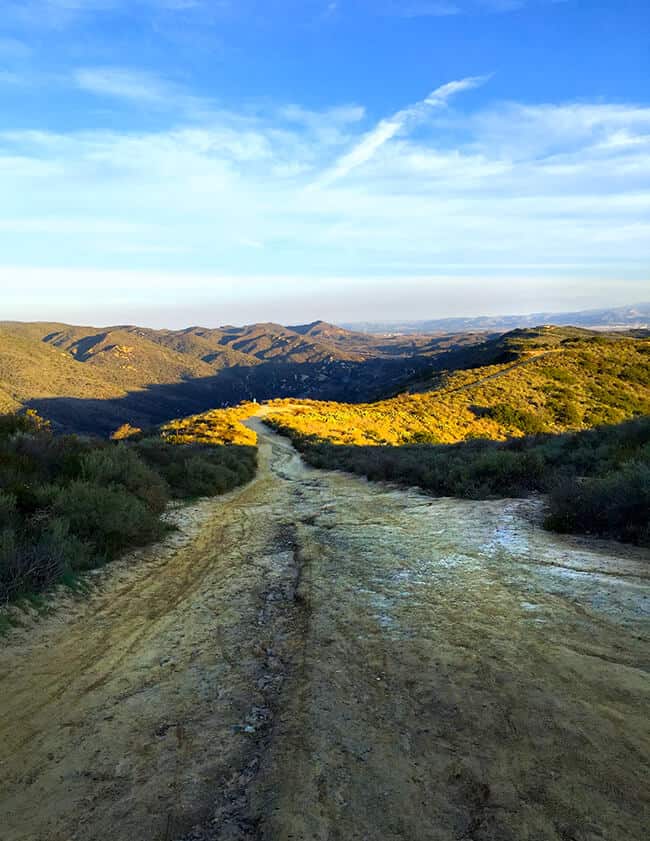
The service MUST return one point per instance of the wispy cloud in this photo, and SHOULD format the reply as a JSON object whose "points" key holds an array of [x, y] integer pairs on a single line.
{"points": [[144, 89], [388, 128], [124, 83]]}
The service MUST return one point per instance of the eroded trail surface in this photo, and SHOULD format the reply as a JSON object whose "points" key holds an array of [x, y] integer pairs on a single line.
{"points": [[315, 657]]}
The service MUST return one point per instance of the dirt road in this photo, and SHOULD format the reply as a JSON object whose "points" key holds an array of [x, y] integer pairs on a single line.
{"points": [[314, 657]]}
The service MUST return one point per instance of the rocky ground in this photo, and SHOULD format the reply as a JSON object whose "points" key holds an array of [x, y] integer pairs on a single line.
{"points": [[316, 657]]}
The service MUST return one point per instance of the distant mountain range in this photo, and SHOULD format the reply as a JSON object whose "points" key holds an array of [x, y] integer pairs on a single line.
{"points": [[637, 316]]}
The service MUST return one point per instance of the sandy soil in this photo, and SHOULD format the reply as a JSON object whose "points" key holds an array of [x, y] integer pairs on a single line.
{"points": [[316, 657]]}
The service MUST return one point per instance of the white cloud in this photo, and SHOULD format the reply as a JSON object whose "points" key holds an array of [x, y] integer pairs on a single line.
{"points": [[341, 115], [554, 186], [388, 128]]}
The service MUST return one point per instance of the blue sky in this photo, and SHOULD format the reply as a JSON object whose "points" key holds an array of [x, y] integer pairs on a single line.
{"points": [[207, 161]]}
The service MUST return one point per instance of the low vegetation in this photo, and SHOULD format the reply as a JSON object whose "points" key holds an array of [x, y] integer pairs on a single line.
{"points": [[69, 504], [221, 426]]}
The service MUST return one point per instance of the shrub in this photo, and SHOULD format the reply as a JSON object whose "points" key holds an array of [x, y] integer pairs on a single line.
{"points": [[530, 423], [193, 470], [28, 565], [8, 512], [68, 504], [614, 505], [120, 466], [29, 421], [126, 431], [613, 500], [112, 518]]}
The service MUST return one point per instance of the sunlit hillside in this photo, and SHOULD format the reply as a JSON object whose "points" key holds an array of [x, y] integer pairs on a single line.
{"points": [[552, 382], [564, 412]]}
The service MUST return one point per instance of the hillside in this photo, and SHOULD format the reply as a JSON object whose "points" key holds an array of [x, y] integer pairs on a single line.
{"points": [[93, 380], [545, 380]]}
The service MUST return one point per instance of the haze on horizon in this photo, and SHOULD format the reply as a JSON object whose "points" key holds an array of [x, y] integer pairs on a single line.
{"points": [[162, 304], [170, 163]]}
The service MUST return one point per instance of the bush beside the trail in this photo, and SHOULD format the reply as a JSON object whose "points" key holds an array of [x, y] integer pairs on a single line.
{"points": [[598, 480], [69, 504]]}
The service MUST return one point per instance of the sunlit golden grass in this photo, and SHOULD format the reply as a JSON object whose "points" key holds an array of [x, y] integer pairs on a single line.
{"points": [[219, 426]]}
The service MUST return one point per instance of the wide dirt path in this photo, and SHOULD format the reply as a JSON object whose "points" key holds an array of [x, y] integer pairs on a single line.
{"points": [[316, 657]]}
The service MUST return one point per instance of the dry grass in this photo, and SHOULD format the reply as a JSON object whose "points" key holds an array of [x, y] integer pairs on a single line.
{"points": [[220, 426]]}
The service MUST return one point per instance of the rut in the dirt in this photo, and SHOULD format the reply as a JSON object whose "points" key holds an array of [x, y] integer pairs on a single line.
{"points": [[323, 658]]}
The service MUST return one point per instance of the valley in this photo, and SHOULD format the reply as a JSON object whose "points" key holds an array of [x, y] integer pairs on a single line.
{"points": [[316, 657], [93, 380]]}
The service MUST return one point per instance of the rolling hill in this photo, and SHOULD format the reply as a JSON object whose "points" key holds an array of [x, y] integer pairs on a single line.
{"points": [[95, 379], [555, 410]]}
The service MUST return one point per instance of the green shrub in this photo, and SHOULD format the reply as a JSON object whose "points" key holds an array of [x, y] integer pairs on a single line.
{"points": [[614, 505], [29, 421], [8, 511], [112, 518], [193, 470], [68, 504], [613, 501], [530, 423], [119, 466]]}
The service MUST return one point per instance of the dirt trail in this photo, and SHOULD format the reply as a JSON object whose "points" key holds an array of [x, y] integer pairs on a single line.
{"points": [[316, 657], [533, 357]]}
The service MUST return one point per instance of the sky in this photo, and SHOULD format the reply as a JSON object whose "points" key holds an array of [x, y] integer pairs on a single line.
{"points": [[176, 162]]}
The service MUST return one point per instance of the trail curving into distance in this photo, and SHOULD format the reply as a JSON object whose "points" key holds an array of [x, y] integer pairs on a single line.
{"points": [[315, 657]]}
